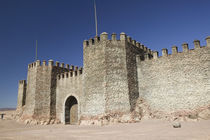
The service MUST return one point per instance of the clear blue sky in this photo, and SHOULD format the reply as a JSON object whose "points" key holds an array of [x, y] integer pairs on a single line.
{"points": [[60, 26]]}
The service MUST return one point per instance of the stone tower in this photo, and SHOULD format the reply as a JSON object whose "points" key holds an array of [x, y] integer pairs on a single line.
{"points": [[122, 81], [40, 102], [21, 94], [110, 74]]}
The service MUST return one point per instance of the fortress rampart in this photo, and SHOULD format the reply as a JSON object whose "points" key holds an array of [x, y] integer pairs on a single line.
{"points": [[69, 84], [21, 94], [121, 80], [41, 89], [177, 82], [123, 37], [110, 64]]}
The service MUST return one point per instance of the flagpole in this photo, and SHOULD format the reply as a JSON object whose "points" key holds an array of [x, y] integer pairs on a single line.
{"points": [[96, 18], [36, 48]]}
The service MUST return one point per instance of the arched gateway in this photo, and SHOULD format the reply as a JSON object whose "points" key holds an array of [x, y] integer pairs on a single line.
{"points": [[71, 110]]}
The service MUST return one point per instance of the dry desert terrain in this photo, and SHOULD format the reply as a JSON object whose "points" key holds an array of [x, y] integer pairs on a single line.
{"points": [[144, 130]]}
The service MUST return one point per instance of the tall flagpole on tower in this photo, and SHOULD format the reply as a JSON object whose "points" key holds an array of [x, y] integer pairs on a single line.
{"points": [[96, 18], [36, 49]]}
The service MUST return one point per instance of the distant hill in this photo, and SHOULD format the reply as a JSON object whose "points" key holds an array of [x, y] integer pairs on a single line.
{"points": [[6, 109]]}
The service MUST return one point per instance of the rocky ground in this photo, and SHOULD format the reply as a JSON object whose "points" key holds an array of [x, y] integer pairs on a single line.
{"points": [[144, 130]]}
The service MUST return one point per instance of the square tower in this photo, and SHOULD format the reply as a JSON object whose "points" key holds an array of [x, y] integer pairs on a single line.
{"points": [[110, 74]]}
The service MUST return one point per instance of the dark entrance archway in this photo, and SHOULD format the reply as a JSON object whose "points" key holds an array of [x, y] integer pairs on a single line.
{"points": [[71, 110]]}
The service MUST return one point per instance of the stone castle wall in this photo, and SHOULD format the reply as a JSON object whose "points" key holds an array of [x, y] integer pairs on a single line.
{"points": [[133, 49], [69, 84], [110, 74], [41, 90], [21, 94], [117, 91], [119, 76], [176, 82], [94, 77], [30, 91]]}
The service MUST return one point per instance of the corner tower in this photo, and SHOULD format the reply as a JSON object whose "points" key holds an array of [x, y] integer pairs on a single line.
{"points": [[41, 90], [110, 74], [21, 94]]}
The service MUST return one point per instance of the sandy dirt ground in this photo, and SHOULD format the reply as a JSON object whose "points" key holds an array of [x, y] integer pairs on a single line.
{"points": [[144, 130]]}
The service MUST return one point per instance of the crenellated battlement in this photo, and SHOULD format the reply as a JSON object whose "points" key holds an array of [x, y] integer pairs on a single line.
{"points": [[120, 75], [185, 49], [122, 38], [22, 81], [49, 64], [74, 72]]}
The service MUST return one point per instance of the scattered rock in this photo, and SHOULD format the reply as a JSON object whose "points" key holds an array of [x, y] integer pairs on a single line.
{"points": [[126, 118], [46, 122], [105, 122], [34, 122], [143, 109], [52, 121], [27, 121], [137, 119], [176, 124], [205, 114], [193, 116], [116, 121], [42, 122], [86, 122], [57, 122], [96, 122]]}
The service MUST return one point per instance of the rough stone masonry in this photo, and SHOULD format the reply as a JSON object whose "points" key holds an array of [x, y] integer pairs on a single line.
{"points": [[121, 81]]}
